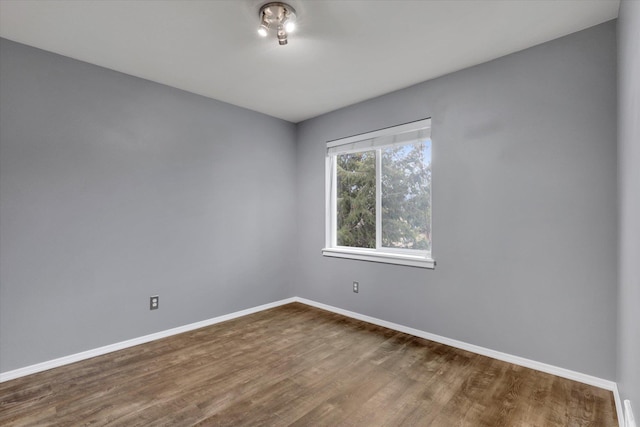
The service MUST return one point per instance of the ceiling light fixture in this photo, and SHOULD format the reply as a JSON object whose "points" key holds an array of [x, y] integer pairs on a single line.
{"points": [[278, 15]]}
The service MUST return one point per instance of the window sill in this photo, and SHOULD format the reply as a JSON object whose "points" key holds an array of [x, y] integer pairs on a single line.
{"points": [[383, 257]]}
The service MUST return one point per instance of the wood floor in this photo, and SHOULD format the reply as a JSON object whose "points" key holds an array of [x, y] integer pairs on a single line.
{"points": [[297, 365]]}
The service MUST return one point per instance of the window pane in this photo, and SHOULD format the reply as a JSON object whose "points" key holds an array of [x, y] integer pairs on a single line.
{"points": [[356, 199], [406, 196]]}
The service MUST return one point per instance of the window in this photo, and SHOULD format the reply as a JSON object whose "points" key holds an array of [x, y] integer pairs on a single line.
{"points": [[378, 198]]}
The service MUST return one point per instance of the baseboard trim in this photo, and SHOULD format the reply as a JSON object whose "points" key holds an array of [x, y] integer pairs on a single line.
{"points": [[628, 413], [619, 409], [516, 360], [65, 360]]}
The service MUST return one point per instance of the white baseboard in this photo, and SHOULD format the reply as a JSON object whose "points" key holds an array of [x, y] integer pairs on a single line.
{"points": [[39, 367], [619, 410], [517, 360], [628, 414]]}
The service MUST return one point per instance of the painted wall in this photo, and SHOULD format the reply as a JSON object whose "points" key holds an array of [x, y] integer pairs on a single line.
{"points": [[524, 219], [113, 189], [629, 182]]}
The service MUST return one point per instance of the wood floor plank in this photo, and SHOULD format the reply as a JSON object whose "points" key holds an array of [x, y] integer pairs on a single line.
{"points": [[296, 365]]}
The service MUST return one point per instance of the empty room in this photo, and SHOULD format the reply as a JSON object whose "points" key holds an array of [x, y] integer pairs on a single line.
{"points": [[320, 212]]}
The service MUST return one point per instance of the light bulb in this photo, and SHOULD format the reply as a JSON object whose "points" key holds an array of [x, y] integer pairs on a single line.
{"points": [[282, 35], [263, 31], [290, 26]]}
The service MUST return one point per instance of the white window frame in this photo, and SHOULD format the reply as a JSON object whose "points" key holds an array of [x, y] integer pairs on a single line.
{"points": [[409, 257]]}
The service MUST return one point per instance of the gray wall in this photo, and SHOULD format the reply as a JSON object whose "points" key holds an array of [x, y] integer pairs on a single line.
{"points": [[114, 188], [524, 200], [629, 181]]}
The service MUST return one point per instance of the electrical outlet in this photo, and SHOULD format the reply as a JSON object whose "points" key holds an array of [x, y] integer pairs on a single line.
{"points": [[154, 302], [356, 287]]}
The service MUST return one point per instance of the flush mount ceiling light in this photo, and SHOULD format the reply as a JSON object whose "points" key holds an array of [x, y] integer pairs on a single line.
{"points": [[277, 15]]}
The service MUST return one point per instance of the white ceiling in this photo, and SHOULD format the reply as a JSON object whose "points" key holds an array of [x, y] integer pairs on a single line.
{"points": [[343, 52]]}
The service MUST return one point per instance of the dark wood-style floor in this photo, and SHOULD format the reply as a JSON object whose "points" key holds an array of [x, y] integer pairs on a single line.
{"points": [[298, 365]]}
